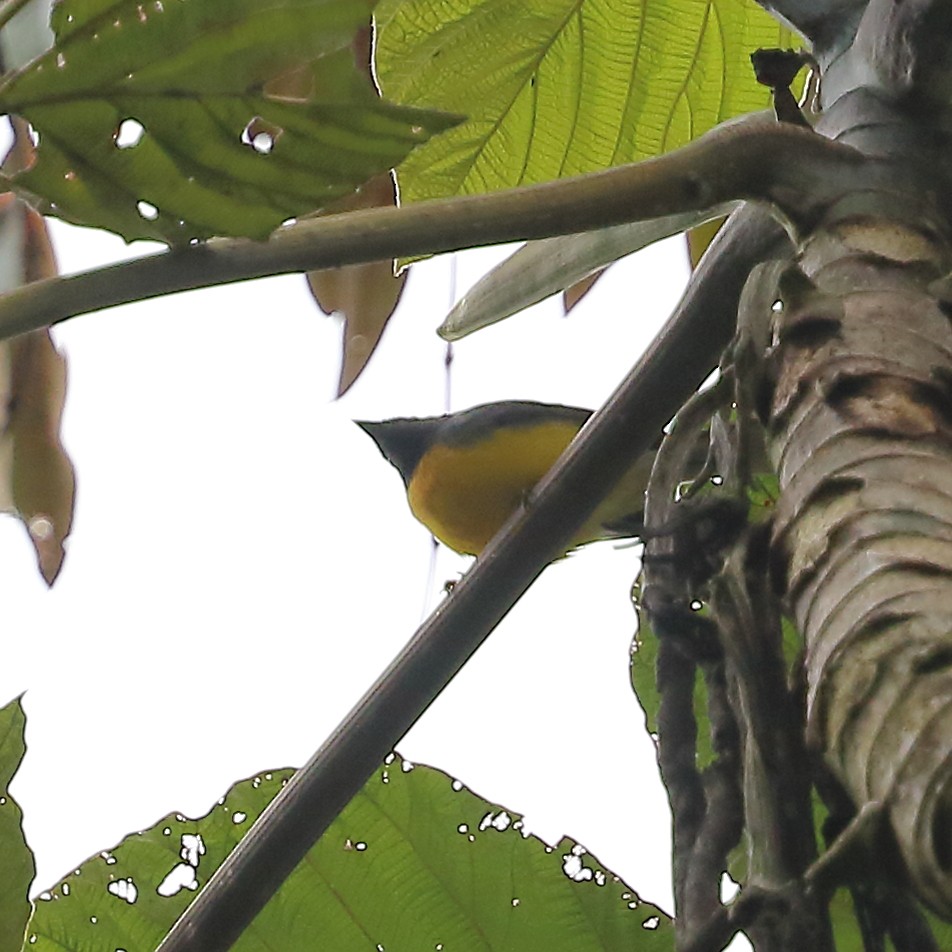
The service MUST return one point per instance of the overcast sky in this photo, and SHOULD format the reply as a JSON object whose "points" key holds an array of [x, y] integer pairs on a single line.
{"points": [[243, 565]]}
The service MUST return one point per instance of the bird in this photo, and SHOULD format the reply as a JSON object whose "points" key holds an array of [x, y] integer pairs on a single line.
{"points": [[465, 473]]}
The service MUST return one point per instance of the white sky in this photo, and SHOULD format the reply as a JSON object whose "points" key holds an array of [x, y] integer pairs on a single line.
{"points": [[243, 565]]}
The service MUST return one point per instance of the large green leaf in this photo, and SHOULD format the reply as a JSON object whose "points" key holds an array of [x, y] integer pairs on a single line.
{"points": [[559, 87], [175, 120], [16, 859], [415, 862]]}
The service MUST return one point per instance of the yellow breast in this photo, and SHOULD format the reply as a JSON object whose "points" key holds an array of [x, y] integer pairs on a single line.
{"points": [[464, 493]]}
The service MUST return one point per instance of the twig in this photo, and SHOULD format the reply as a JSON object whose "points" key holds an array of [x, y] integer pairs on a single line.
{"points": [[862, 857], [851, 848], [721, 927], [677, 741], [723, 821]]}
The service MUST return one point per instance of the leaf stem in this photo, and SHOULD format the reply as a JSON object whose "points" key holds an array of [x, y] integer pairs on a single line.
{"points": [[792, 169]]}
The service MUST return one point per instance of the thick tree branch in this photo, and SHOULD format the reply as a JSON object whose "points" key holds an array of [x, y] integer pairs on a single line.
{"points": [[820, 21], [906, 46], [681, 356], [792, 169]]}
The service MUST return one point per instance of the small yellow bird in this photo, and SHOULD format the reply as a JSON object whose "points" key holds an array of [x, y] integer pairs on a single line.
{"points": [[467, 472]]}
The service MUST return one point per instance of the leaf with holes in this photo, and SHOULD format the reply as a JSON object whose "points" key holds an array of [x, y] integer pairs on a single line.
{"points": [[560, 87], [415, 861], [161, 119]]}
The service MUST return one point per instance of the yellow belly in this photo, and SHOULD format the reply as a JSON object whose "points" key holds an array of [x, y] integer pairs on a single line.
{"points": [[465, 493]]}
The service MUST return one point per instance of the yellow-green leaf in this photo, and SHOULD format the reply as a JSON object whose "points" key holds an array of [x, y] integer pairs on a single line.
{"points": [[560, 87]]}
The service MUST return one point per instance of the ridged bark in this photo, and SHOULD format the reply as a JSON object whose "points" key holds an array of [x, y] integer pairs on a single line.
{"points": [[859, 413]]}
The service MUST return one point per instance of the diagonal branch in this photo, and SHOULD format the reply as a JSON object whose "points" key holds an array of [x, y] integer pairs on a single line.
{"points": [[678, 360], [9, 9], [756, 158]]}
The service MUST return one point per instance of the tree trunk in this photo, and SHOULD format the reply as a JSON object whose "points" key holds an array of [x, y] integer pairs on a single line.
{"points": [[858, 408], [851, 382]]}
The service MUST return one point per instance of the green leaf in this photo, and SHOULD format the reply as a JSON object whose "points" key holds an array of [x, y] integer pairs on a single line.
{"points": [[643, 664], [849, 937], [700, 238], [705, 744], [846, 930], [415, 861], [559, 87], [176, 121], [644, 659], [16, 865], [541, 268], [763, 494], [941, 929]]}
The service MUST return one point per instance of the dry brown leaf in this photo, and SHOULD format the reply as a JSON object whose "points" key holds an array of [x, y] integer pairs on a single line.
{"points": [[366, 295], [42, 474], [571, 296], [37, 481]]}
